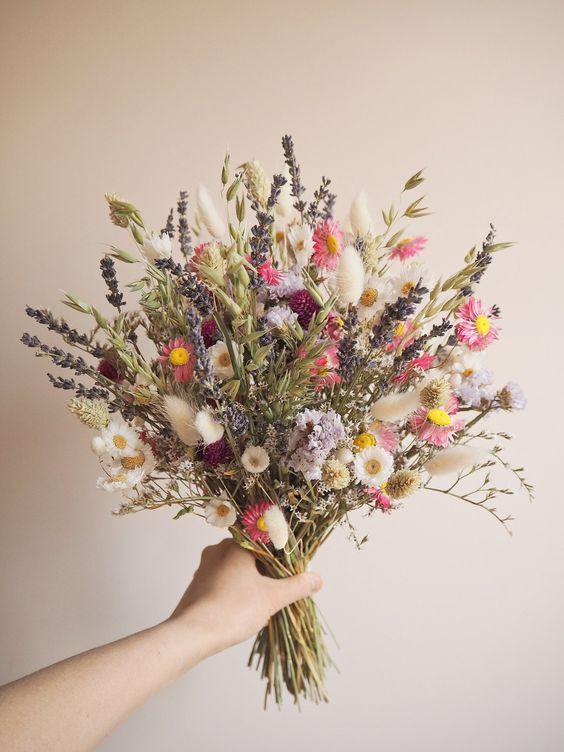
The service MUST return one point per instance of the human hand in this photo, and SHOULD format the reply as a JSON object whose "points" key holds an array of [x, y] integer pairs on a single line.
{"points": [[229, 600]]}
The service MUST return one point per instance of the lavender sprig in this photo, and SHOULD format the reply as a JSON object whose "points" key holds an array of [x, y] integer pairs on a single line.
{"points": [[295, 177], [320, 196], [395, 312], [46, 318], [169, 226], [108, 268], [184, 234]]}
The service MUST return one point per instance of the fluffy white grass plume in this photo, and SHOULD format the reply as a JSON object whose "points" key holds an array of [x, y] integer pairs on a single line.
{"points": [[181, 418], [208, 213], [208, 427], [454, 459], [350, 276], [395, 406], [276, 525], [359, 215]]}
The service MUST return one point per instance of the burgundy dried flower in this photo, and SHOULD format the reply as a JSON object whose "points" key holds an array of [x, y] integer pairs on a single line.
{"points": [[210, 332], [109, 370], [217, 453], [304, 305]]}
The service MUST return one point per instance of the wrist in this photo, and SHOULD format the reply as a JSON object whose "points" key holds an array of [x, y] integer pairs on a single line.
{"points": [[191, 636]]}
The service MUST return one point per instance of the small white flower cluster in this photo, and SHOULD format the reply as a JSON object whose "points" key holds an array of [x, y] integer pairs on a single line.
{"points": [[124, 457]]}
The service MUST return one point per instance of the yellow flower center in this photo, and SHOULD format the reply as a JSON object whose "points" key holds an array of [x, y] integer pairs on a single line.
{"points": [[407, 288], [222, 511], [179, 356], [119, 477], [224, 360], [369, 297], [400, 329], [130, 463], [332, 245], [364, 440], [468, 372], [261, 524], [405, 241], [439, 417], [383, 486], [280, 236], [482, 324], [119, 441], [372, 467], [300, 245]]}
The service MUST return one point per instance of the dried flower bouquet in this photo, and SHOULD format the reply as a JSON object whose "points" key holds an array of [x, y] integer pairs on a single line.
{"points": [[282, 372]]}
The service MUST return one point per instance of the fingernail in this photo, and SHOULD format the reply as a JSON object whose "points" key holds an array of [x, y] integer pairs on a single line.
{"points": [[316, 581]]}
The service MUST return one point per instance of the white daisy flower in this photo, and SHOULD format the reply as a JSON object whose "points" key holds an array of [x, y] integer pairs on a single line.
{"points": [[255, 459], [300, 238], [221, 360], [461, 364], [373, 466], [220, 512], [120, 439], [376, 293], [409, 276], [120, 479], [156, 247]]}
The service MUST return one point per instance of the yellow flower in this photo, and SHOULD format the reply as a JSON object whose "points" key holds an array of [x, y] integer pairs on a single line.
{"points": [[364, 440]]}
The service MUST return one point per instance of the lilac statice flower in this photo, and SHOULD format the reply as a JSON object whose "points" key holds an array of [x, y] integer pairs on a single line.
{"points": [[280, 315], [512, 397], [291, 281], [477, 390], [315, 435]]}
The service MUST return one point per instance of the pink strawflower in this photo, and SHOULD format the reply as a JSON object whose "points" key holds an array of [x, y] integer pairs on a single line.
{"points": [[178, 355], [408, 248], [475, 327], [414, 367], [436, 426], [386, 436], [324, 369], [269, 273], [327, 244], [334, 326], [381, 500], [403, 328], [253, 522]]}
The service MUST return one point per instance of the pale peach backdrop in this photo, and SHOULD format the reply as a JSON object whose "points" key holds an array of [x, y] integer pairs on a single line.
{"points": [[450, 631]]}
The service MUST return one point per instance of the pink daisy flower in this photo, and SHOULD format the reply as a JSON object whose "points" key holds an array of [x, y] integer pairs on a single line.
{"points": [[414, 367], [327, 244], [408, 248], [334, 326], [178, 355], [475, 328], [269, 273], [254, 523], [436, 426], [381, 500], [386, 436], [403, 328]]}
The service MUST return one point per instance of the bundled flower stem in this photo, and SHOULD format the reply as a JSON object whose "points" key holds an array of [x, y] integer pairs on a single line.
{"points": [[281, 374]]}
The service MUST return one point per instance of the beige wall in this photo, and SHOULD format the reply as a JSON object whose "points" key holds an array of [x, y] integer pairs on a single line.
{"points": [[450, 631]]}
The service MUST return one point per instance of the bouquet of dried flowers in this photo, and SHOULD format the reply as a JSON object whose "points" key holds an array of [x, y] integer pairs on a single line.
{"points": [[279, 373]]}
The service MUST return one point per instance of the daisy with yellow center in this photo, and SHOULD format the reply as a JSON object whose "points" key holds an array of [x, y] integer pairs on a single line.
{"points": [[220, 512], [364, 440], [119, 439], [178, 356], [220, 358], [475, 325], [372, 466], [437, 426]]}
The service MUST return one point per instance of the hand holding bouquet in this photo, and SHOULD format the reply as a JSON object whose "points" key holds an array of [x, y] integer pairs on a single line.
{"points": [[282, 371]]}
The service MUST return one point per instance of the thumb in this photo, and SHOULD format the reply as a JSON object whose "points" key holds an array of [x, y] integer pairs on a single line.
{"points": [[290, 589]]}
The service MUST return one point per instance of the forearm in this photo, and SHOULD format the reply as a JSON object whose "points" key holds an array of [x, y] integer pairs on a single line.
{"points": [[74, 704]]}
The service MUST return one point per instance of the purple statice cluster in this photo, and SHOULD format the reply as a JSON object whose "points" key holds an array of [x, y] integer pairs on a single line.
{"points": [[314, 436]]}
